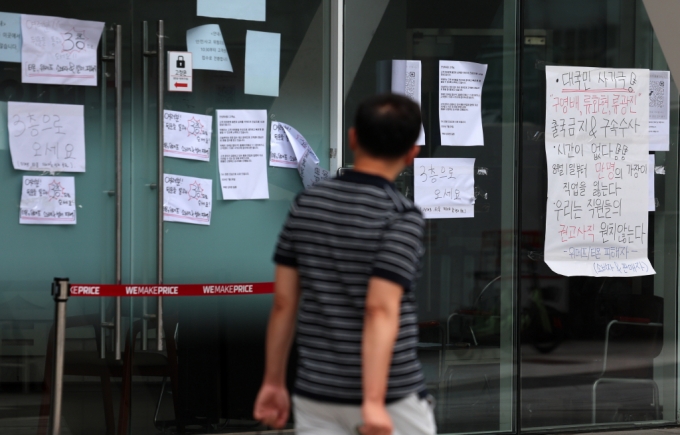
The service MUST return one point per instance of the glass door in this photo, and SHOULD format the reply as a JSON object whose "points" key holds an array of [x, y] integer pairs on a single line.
{"points": [[32, 255], [219, 340], [466, 293], [206, 376]]}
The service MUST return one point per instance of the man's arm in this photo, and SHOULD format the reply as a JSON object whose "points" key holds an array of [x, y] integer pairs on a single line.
{"points": [[272, 406], [381, 326]]}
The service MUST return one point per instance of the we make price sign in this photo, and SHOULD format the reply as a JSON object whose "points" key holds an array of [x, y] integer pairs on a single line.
{"points": [[180, 71]]}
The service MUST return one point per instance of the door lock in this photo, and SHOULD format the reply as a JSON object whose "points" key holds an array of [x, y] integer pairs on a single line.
{"points": [[180, 62]]}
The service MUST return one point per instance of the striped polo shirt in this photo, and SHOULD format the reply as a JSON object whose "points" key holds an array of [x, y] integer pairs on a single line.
{"points": [[339, 234]]}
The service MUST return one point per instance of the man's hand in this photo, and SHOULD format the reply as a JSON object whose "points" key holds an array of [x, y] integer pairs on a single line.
{"points": [[272, 406], [376, 420]]}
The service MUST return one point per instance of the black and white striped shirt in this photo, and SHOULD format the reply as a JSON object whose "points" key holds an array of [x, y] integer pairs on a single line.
{"points": [[340, 233]]}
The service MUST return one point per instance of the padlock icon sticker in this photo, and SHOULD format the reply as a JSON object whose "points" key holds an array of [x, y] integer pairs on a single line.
{"points": [[180, 62]]}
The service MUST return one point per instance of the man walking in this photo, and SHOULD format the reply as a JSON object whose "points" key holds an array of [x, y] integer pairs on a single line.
{"points": [[347, 260]]}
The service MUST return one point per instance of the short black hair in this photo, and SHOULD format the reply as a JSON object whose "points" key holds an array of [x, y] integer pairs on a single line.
{"points": [[387, 125]]}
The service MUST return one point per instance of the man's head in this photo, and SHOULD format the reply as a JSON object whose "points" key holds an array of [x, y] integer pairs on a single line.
{"points": [[387, 126]]}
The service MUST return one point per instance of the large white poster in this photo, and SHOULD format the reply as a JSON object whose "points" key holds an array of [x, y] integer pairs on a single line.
{"points": [[597, 143], [46, 137], [242, 143], [59, 51]]}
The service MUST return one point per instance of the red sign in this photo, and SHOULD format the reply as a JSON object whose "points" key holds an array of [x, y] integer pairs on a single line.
{"points": [[149, 290]]}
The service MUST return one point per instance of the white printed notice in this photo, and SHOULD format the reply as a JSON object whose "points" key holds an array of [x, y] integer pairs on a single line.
{"points": [[187, 199], [48, 201], [187, 135], [59, 51], [597, 142], [445, 188], [460, 102], [46, 137], [659, 110], [651, 196], [242, 144], [289, 149], [406, 80]]}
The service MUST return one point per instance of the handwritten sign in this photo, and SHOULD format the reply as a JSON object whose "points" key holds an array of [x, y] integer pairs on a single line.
{"points": [[597, 142], [46, 137], [445, 188], [460, 102], [289, 149], [187, 135], [59, 51], [48, 201], [10, 37], [208, 47], [187, 199], [242, 143]]}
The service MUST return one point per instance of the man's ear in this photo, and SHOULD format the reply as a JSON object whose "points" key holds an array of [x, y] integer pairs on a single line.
{"points": [[411, 155], [353, 140]]}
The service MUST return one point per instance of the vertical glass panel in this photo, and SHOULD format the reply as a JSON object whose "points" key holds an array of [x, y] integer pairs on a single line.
{"points": [[466, 292], [594, 351], [220, 339], [32, 255]]}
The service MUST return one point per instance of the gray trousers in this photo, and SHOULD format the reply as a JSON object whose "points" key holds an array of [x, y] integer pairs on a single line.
{"points": [[410, 416]]}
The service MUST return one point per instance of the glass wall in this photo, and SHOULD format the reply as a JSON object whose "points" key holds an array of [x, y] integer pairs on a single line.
{"points": [[591, 352], [579, 332], [220, 340], [206, 378], [466, 293]]}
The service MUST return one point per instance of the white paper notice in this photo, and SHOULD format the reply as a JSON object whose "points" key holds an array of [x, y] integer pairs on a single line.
{"points": [[187, 199], [659, 110], [597, 137], [208, 47], [289, 149], [48, 201], [242, 148], [59, 51], [46, 137], [10, 37], [406, 80], [652, 195], [253, 10], [445, 188], [187, 135], [460, 102]]}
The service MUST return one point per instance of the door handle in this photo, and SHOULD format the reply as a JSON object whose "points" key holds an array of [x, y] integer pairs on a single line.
{"points": [[117, 58], [160, 56]]}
